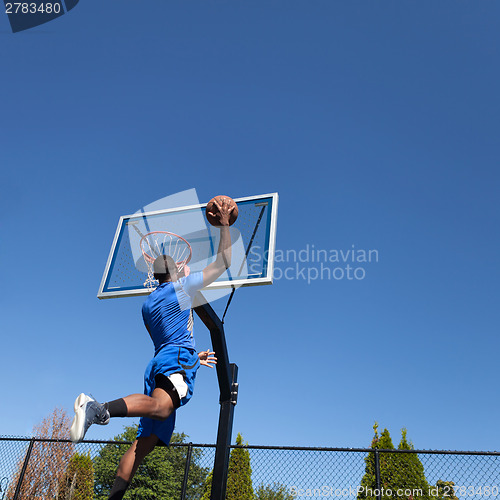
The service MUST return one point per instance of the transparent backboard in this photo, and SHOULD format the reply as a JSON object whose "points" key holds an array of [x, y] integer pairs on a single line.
{"points": [[253, 237]]}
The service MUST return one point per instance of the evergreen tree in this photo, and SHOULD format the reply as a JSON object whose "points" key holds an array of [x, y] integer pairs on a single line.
{"points": [[398, 471], [159, 476], [239, 477], [409, 471], [368, 481]]}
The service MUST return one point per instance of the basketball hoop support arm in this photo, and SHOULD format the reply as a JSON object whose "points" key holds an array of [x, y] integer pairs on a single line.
{"points": [[227, 376]]}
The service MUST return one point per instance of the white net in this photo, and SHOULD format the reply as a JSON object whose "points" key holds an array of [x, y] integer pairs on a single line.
{"points": [[159, 243]]}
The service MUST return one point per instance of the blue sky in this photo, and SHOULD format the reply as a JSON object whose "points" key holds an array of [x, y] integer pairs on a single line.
{"points": [[377, 123]]}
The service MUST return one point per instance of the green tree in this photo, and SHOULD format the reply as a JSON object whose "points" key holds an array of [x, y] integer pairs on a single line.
{"points": [[398, 471], [273, 491], [239, 475], [78, 480], [159, 476], [409, 472]]}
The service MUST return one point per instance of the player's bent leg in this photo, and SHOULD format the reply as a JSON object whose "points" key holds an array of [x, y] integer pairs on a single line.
{"points": [[129, 464], [158, 406], [88, 411]]}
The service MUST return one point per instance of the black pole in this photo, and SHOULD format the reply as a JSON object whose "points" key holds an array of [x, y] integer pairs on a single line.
{"points": [[224, 433], [186, 471], [377, 476], [23, 470], [227, 375]]}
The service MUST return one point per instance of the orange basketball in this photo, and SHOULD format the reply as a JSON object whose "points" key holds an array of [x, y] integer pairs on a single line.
{"points": [[213, 209]]}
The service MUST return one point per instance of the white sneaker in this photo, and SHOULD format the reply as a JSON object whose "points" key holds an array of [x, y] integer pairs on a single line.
{"points": [[87, 412]]}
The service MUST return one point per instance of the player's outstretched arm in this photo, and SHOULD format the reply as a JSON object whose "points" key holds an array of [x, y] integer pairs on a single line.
{"points": [[223, 260], [207, 358]]}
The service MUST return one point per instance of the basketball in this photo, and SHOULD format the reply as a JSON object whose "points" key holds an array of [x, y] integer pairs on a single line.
{"points": [[212, 211]]}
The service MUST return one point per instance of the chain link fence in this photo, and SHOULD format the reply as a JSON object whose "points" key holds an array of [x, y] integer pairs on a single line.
{"points": [[38, 469]]}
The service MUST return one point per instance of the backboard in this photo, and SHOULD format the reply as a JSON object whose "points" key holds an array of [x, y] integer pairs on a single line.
{"points": [[253, 238]]}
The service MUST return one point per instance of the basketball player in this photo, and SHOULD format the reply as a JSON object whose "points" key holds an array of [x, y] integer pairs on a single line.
{"points": [[170, 375]]}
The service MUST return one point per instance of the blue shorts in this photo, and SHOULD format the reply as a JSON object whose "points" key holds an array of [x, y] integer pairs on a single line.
{"points": [[168, 361]]}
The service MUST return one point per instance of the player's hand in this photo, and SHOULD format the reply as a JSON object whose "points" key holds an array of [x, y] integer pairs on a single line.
{"points": [[224, 211], [207, 358]]}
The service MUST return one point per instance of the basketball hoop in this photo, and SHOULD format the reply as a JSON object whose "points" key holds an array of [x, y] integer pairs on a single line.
{"points": [[158, 243]]}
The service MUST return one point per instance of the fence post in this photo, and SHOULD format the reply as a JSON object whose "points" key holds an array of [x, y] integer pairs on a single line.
{"points": [[186, 471], [377, 475], [23, 470]]}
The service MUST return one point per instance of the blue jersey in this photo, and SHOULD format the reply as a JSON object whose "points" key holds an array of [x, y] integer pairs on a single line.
{"points": [[167, 312]]}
